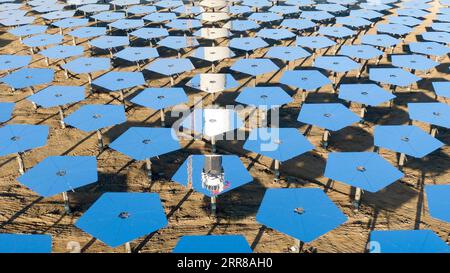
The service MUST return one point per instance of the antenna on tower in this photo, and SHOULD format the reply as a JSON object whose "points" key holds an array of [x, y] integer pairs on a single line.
{"points": [[189, 172]]}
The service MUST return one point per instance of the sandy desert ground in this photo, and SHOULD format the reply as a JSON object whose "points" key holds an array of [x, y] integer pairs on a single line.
{"points": [[402, 205]]}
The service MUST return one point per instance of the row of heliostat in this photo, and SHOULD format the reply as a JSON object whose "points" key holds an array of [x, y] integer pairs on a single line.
{"points": [[305, 214]]}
